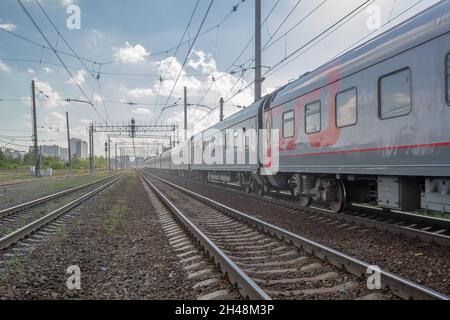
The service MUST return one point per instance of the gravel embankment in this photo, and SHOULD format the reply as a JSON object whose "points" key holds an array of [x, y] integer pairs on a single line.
{"points": [[19, 193], [421, 262], [119, 246]]}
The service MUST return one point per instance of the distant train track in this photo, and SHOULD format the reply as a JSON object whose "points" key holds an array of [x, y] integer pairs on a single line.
{"points": [[41, 201], [415, 226], [49, 219], [267, 262], [18, 183]]}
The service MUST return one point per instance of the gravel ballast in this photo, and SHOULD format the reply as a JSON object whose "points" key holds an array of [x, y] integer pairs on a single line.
{"points": [[119, 246], [424, 263]]}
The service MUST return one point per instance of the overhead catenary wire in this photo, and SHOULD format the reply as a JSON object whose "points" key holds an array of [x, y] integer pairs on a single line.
{"points": [[373, 32], [101, 73], [282, 61], [360, 40], [348, 48], [97, 78], [319, 38], [283, 22], [65, 41], [187, 41], [44, 47], [58, 56], [233, 64], [285, 34], [177, 49], [188, 54]]}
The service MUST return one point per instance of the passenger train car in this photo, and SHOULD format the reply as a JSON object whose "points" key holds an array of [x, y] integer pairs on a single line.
{"points": [[372, 126]]}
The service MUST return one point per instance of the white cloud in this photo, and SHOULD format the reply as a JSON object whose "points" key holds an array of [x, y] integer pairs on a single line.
{"points": [[97, 99], [141, 111], [221, 85], [55, 120], [8, 26], [4, 67], [94, 39], [79, 78], [47, 70], [31, 71], [54, 98], [141, 92], [130, 54], [202, 61]]}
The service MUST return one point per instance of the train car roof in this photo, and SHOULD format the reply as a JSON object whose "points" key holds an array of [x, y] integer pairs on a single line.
{"points": [[247, 113], [428, 24]]}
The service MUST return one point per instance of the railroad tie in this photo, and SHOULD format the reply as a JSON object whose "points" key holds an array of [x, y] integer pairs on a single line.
{"points": [[216, 295], [345, 287], [205, 283], [200, 274]]}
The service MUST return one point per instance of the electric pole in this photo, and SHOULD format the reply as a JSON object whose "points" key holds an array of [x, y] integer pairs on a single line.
{"points": [[115, 147], [91, 148], [185, 114], [69, 150], [106, 155], [258, 62], [109, 154], [221, 109], [35, 136]]}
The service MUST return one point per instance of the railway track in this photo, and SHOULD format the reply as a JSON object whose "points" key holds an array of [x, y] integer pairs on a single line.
{"points": [[16, 217], [55, 211], [267, 262], [414, 226]]}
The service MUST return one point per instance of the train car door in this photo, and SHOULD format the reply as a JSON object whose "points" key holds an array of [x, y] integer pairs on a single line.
{"points": [[267, 145]]}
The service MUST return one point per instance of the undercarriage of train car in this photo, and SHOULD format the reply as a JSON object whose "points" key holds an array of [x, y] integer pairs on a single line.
{"points": [[388, 192], [338, 191]]}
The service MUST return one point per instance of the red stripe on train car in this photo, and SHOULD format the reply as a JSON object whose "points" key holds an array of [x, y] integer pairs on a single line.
{"points": [[393, 148]]}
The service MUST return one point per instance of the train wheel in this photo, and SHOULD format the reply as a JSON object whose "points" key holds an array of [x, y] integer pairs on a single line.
{"points": [[257, 188], [339, 203]]}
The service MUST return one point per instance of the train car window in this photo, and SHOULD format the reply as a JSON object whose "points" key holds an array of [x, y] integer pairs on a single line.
{"points": [[347, 108], [289, 124], [448, 78], [312, 117], [395, 94]]}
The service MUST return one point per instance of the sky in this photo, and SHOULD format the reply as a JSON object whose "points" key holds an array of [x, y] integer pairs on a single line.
{"points": [[128, 46]]}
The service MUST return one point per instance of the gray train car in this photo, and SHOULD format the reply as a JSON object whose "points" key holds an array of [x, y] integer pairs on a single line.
{"points": [[166, 160], [227, 136], [369, 127], [372, 125], [154, 163], [182, 167]]}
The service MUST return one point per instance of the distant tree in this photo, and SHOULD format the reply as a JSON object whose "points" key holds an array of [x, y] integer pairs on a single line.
{"points": [[28, 159]]}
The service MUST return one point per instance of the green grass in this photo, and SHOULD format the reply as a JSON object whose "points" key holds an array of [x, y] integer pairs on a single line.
{"points": [[114, 219], [62, 233], [433, 214], [23, 175], [13, 267]]}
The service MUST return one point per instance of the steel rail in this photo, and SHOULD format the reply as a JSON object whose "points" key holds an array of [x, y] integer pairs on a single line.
{"points": [[9, 211], [396, 217], [20, 234], [247, 287], [400, 286], [392, 221]]}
